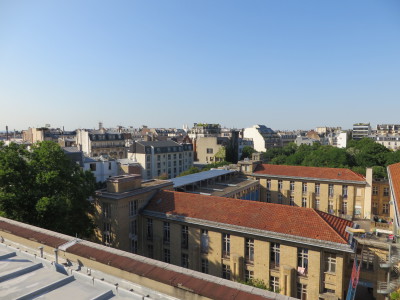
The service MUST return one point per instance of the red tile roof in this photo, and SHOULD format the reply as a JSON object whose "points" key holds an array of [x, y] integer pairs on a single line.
{"points": [[284, 219], [309, 172], [394, 171], [31, 234]]}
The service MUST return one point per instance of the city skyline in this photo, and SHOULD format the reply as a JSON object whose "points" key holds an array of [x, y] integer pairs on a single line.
{"points": [[164, 64]]}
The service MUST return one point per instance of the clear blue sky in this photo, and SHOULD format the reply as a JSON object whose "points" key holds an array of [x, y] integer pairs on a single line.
{"points": [[285, 64]]}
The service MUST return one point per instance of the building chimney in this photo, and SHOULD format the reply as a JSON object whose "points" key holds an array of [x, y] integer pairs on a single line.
{"points": [[124, 183]]}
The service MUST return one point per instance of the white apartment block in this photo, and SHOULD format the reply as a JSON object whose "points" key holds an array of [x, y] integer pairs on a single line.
{"points": [[101, 167], [263, 137]]}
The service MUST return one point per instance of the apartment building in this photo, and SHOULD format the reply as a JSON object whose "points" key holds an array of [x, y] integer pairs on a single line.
{"points": [[204, 130], [34, 135], [101, 167], [117, 208], [361, 130], [391, 142], [100, 142], [211, 149], [159, 158], [299, 252], [387, 129], [263, 137], [337, 191], [381, 199], [287, 137]]}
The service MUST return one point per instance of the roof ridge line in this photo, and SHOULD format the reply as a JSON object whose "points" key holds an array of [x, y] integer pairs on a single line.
{"points": [[330, 226], [358, 174]]}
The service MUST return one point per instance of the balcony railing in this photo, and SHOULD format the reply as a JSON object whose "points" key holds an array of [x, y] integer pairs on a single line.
{"points": [[387, 288]]}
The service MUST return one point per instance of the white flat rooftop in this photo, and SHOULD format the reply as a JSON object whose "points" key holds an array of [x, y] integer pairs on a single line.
{"points": [[25, 276], [196, 177]]}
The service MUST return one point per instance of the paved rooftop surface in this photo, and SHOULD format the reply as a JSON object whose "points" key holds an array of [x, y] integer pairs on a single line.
{"points": [[25, 276], [224, 189]]}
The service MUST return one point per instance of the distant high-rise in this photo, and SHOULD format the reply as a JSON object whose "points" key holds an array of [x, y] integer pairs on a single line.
{"points": [[361, 130]]}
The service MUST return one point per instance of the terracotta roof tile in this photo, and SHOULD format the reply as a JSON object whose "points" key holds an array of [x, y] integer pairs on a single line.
{"points": [[284, 219], [31, 234], [394, 171], [309, 172]]}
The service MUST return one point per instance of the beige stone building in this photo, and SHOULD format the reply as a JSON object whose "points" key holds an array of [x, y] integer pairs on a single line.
{"points": [[381, 199], [162, 158], [298, 252], [211, 149], [337, 191], [117, 208]]}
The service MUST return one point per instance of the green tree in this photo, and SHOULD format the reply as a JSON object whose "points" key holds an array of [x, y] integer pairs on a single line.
{"points": [[52, 193], [368, 153], [215, 165], [327, 156], [392, 157], [191, 170], [395, 295], [247, 152], [16, 183]]}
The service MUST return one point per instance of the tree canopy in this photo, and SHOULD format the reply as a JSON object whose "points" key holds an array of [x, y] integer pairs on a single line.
{"points": [[43, 187], [247, 151], [358, 156]]}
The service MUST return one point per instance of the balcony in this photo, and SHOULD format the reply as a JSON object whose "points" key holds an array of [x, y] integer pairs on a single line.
{"points": [[387, 288], [391, 261]]}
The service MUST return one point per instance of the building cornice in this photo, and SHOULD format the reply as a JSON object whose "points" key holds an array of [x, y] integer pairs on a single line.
{"points": [[308, 179], [251, 231], [117, 196]]}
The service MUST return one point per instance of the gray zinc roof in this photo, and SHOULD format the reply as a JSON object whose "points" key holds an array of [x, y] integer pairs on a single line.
{"points": [[159, 143]]}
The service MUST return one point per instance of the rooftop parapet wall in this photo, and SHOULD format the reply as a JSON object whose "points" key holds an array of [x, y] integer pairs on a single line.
{"points": [[176, 281]]}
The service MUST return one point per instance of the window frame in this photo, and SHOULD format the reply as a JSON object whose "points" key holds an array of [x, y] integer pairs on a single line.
{"points": [[226, 245], [166, 233], [249, 251], [275, 255]]}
